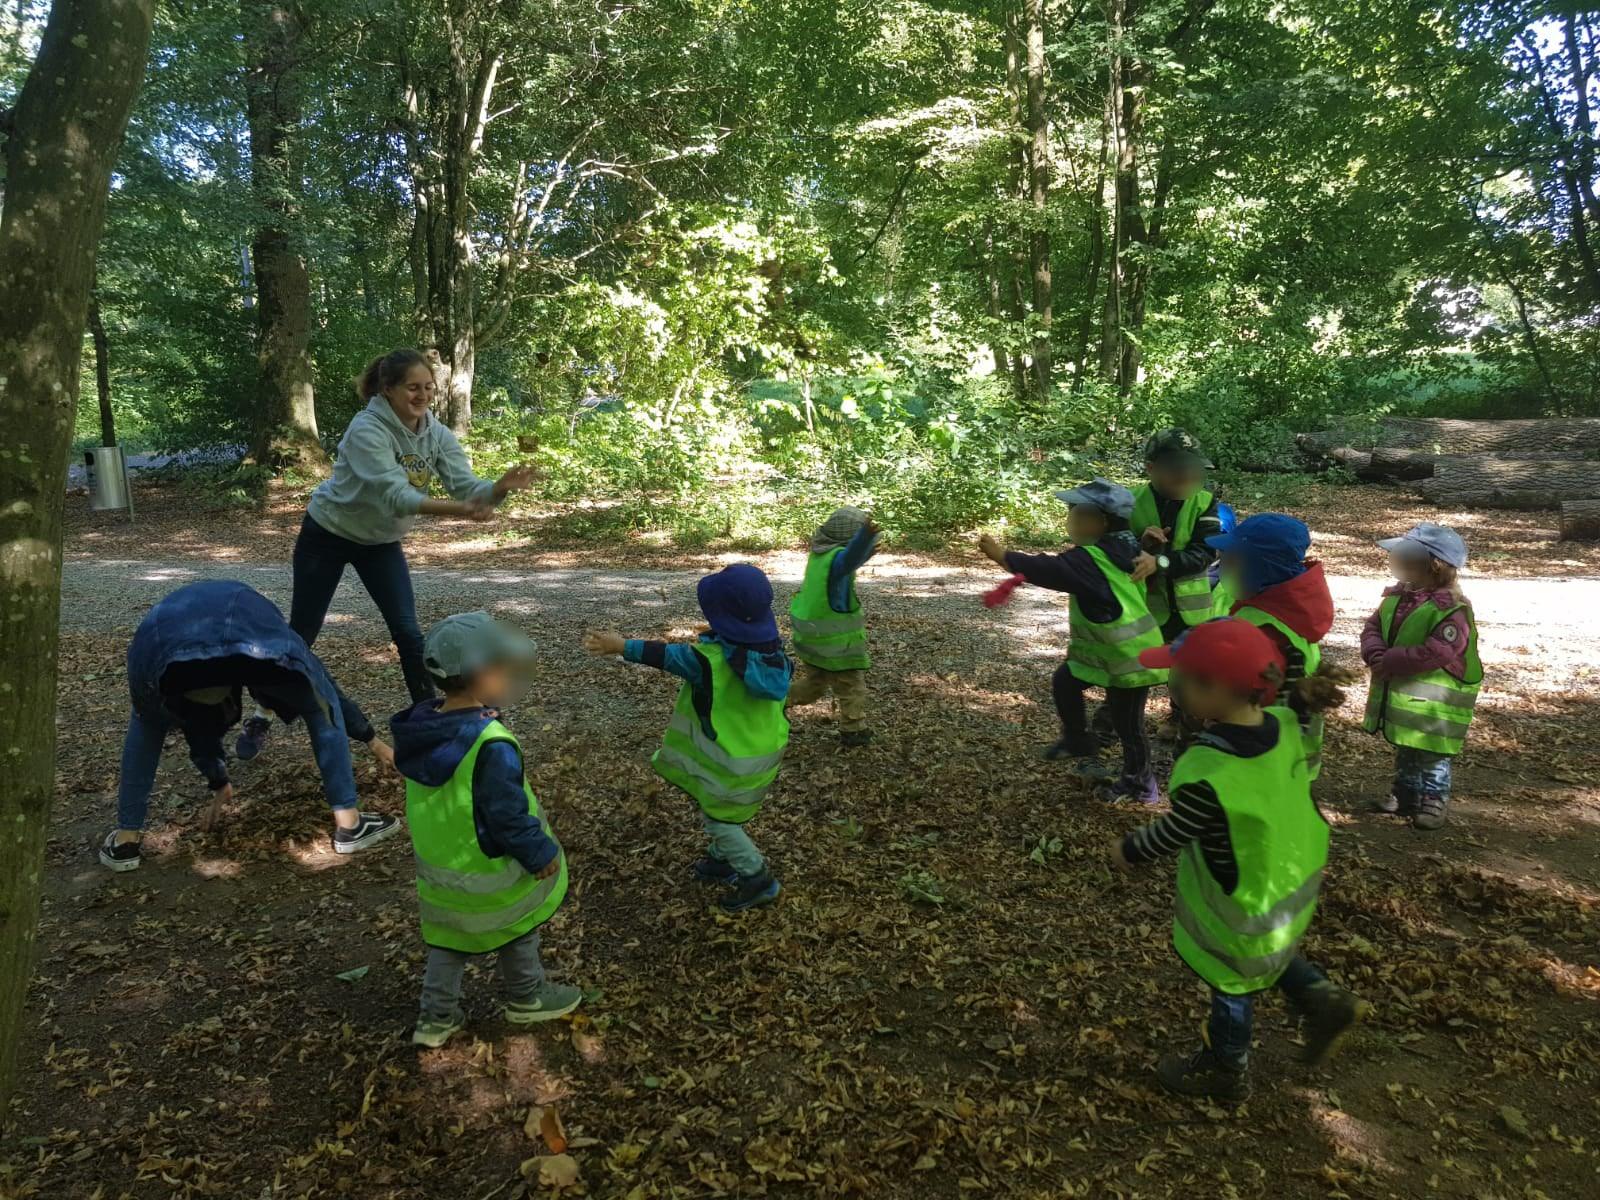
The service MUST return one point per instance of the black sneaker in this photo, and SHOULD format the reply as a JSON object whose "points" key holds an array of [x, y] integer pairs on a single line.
{"points": [[1329, 1012], [851, 738], [369, 830], [253, 738], [751, 891], [124, 857], [1203, 1074], [713, 870]]}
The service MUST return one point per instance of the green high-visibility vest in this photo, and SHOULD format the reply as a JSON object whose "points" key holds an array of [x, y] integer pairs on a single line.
{"points": [[469, 901], [728, 769], [1109, 654], [1431, 711], [833, 641], [1191, 594], [1241, 942], [1313, 726]]}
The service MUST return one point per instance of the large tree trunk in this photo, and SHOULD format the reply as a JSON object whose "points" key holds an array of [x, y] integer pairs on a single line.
{"points": [[1479, 480], [1391, 463], [65, 131], [1094, 263], [1580, 520], [1447, 436], [1039, 200], [1112, 316], [286, 415], [102, 371]]}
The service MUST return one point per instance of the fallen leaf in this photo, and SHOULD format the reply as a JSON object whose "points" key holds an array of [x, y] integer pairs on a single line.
{"points": [[353, 974], [551, 1170], [1513, 1121]]}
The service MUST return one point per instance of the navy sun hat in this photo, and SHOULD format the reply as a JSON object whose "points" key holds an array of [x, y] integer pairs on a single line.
{"points": [[737, 603], [1438, 541], [1110, 498], [1265, 533]]}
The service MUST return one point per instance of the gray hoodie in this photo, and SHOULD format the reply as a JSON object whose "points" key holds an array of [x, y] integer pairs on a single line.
{"points": [[383, 472]]}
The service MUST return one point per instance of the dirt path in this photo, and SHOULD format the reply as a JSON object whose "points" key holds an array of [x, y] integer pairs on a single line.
{"points": [[193, 1038]]}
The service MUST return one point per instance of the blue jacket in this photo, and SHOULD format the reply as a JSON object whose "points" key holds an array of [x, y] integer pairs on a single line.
{"points": [[842, 571], [428, 748]]}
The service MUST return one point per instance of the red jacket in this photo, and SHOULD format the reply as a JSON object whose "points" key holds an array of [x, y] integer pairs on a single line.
{"points": [[1445, 649], [1303, 603]]}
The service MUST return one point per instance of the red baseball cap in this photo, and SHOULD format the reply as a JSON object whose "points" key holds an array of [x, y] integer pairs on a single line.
{"points": [[1229, 651]]}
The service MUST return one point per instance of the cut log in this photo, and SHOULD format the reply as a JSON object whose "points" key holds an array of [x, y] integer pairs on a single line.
{"points": [[1392, 463], [1446, 436], [1566, 480], [1580, 521], [1523, 499]]}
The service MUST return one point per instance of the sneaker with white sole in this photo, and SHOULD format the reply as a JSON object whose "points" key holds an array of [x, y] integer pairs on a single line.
{"points": [[368, 831], [119, 857], [253, 738], [552, 1000], [434, 1032]]}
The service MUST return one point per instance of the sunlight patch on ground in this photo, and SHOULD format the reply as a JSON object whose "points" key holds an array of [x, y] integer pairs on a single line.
{"points": [[216, 868]]}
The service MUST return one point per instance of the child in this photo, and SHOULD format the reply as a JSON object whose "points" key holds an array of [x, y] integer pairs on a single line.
{"points": [[1109, 625], [489, 871], [1252, 847], [191, 660], [1276, 588], [830, 630], [728, 731], [1422, 648]]}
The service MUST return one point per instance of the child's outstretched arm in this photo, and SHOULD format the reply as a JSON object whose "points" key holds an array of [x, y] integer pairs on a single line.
{"points": [[675, 658], [1073, 571], [1196, 816]]}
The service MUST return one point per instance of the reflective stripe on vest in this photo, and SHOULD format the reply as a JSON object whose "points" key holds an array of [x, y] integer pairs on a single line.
{"points": [[729, 774], [1191, 594], [823, 637], [1431, 711], [1313, 726], [467, 900], [1108, 654], [1241, 942]]}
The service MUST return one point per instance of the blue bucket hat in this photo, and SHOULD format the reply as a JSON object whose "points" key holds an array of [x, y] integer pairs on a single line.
{"points": [[737, 603], [1110, 498], [1267, 535], [1438, 541]]}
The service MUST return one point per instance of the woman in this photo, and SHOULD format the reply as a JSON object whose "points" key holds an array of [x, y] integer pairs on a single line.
{"points": [[190, 661], [389, 456]]}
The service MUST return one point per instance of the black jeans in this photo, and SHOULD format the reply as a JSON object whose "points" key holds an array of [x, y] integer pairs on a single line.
{"points": [[1126, 706], [320, 558]]}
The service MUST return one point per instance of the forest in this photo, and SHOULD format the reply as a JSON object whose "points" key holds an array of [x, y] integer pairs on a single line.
{"points": [[937, 256]]}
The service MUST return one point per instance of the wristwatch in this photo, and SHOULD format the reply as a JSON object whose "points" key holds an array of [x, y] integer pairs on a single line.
{"points": [[1162, 562]]}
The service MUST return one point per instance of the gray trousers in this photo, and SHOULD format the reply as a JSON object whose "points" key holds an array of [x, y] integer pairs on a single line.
{"points": [[518, 964], [733, 846]]}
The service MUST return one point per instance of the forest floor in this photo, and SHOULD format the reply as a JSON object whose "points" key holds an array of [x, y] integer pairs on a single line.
{"points": [[954, 997]]}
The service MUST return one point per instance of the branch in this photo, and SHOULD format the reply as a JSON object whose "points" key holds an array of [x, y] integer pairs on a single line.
{"points": [[894, 205]]}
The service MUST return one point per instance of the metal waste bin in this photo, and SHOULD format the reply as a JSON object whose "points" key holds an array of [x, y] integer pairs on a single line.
{"points": [[107, 473]]}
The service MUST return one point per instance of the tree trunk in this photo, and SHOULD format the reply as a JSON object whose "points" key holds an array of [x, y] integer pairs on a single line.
{"points": [[1447, 436], [286, 414], [1478, 476], [1112, 315], [1039, 200], [102, 372], [1580, 520], [1095, 258], [1390, 463], [66, 129], [991, 286]]}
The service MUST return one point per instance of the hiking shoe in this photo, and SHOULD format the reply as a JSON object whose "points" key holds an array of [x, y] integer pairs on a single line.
{"points": [[124, 857], [552, 1000], [253, 738], [1329, 1012], [707, 869], [751, 891], [434, 1032], [1067, 747], [369, 830], [1142, 791], [1432, 808], [855, 737], [1203, 1074]]}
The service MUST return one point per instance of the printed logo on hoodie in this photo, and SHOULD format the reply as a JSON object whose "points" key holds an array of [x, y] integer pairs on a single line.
{"points": [[419, 473]]}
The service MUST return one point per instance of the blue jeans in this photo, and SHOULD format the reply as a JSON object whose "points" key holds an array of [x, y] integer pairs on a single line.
{"points": [[1419, 771], [319, 561], [141, 755], [1233, 1017]]}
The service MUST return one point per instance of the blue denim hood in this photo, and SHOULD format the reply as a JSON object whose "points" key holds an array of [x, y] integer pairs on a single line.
{"points": [[765, 672], [429, 745], [217, 618]]}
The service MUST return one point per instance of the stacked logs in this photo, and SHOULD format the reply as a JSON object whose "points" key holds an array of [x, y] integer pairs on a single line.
{"points": [[1526, 464]]}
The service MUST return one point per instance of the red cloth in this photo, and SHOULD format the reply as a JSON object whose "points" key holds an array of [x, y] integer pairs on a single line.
{"points": [[1303, 603], [1444, 650], [1000, 594]]}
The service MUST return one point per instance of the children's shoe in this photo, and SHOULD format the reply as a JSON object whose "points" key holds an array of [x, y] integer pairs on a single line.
{"points": [[851, 738], [1203, 1074], [1141, 791], [1330, 1012], [1091, 770], [434, 1032], [253, 738], [369, 830], [552, 1000], [123, 857], [707, 869], [1087, 746], [1432, 808], [1400, 802], [751, 891]]}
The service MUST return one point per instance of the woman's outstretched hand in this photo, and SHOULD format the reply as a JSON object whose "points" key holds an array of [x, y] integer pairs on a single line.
{"points": [[598, 642], [517, 479]]}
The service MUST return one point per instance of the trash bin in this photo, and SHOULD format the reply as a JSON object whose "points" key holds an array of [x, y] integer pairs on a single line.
{"points": [[107, 473]]}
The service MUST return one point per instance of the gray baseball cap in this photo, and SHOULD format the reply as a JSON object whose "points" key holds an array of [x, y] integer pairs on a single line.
{"points": [[1110, 498], [1439, 541], [467, 642]]}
